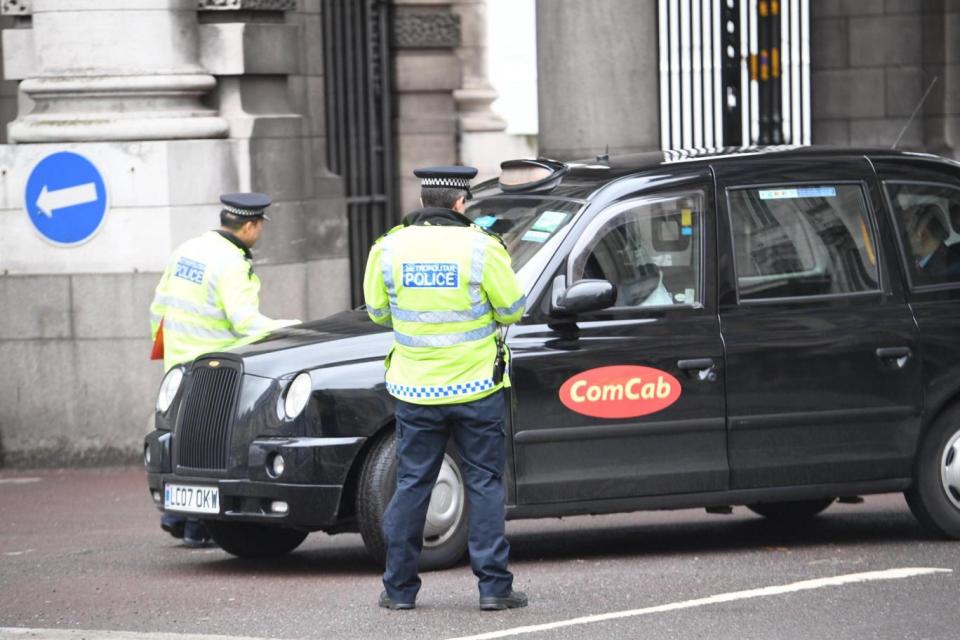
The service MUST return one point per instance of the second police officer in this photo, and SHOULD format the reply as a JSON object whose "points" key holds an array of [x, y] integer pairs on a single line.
{"points": [[209, 300], [445, 285]]}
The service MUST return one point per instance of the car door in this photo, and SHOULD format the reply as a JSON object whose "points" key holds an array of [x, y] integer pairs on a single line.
{"points": [[915, 185], [822, 365], [626, 401]]}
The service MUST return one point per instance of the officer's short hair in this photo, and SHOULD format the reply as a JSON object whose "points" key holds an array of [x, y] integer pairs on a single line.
{"points": [[232, 221], [443, 197]]}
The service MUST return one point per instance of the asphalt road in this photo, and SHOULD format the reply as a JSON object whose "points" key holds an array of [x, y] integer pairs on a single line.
{"points": [[82, 550]]}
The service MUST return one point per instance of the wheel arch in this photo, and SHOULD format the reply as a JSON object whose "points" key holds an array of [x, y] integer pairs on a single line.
{"points": [[346, 510]]}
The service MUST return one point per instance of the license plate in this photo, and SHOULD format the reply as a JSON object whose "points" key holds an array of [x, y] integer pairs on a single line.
{"points": [[191, 498]]}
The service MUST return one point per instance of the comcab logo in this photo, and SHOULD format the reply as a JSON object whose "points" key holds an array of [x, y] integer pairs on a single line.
{"points": [[621, 391]]}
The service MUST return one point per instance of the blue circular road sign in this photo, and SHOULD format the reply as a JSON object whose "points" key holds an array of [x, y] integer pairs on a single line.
{"points": [[66, 198]]}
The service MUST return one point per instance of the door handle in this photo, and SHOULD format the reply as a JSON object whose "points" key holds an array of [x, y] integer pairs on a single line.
{"points": [[695, 363], [703, 367], [895, 356]]}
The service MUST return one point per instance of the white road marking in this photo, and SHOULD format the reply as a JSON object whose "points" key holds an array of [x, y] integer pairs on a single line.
{"points": [[23, 633], [19, 480], [764, 592]]}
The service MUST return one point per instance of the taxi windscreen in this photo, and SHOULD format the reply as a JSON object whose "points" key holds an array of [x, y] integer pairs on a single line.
{"points": [[524, 222]]}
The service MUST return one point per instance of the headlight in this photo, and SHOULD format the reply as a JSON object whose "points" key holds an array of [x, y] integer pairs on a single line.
{"points": [[298, 393], [168, 388]]}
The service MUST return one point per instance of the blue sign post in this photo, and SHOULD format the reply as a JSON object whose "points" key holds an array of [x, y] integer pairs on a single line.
{"points": [[66, 198]]}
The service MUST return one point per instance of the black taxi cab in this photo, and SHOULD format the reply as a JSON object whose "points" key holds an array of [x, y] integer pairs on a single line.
{"points": [[770, 327]]}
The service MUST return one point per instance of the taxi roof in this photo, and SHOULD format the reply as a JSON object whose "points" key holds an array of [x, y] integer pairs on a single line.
{"points": [[584, 177]]}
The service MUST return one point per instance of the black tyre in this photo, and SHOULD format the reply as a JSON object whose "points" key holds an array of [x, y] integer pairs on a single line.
{"points": [[445, 533], [253, 540], [934, 497], [791, 511]]}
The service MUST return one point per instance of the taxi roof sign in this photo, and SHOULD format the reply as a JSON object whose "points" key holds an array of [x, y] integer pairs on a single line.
{"points": [[531, 175]]}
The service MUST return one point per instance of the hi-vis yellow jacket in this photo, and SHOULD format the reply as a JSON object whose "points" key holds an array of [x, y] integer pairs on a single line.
{"points": [[209, 300], [443, 285]]}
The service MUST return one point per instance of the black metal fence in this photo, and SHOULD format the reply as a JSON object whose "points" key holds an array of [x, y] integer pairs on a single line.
{"points": [[360, 142], [734, 73]]}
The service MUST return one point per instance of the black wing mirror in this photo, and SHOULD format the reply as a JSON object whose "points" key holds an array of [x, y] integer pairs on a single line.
{"points": [[582, 296]]}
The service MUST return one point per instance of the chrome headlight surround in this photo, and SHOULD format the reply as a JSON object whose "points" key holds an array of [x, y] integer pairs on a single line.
{"points": [[169, 388], [297, 395]]}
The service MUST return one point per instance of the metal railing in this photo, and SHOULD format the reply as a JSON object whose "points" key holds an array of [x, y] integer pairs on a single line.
{"points": [[359, 121], [734, 73]]}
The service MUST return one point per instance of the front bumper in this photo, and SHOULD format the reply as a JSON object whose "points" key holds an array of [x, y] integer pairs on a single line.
{"points": [[311, 485]]}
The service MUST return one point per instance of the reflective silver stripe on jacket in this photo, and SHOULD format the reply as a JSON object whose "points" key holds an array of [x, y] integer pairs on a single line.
{"points": [[205, 310], [444, 339], [197, 332], [438, 317], [386, 267], [512, 309], [379, 313]]}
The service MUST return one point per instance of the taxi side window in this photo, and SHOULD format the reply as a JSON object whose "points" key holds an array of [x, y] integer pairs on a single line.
{"points": [[802, 241], [928, 219], [650, 248]]}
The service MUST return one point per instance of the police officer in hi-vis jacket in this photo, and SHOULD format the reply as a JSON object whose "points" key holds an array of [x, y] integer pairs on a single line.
{"points": [[445, 285], [208, 299]]}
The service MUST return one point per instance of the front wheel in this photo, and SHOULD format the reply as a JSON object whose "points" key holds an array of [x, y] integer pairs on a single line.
{"points": [[791, 511], [445, 531], [253, 540], [934, 497]]}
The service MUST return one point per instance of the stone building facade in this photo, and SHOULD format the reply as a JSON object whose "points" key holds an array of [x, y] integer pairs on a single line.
{"points": [[871, 63], [176, 102]]}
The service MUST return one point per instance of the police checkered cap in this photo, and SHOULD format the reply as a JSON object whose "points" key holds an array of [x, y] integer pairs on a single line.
{"points": [[246, 205], [451, 177]]}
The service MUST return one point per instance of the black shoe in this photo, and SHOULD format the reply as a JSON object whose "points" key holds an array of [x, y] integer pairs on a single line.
{"points": [[172, 525], [513, 600], [387, 603]]}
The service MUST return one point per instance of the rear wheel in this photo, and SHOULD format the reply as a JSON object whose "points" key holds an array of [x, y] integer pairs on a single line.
{"points": [[791, 511], [445, 532], [254, 540], [934, 497]]}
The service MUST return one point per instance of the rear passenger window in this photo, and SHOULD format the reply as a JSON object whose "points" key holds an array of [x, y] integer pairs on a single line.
{"points": [[927, 218], [792, 242]]}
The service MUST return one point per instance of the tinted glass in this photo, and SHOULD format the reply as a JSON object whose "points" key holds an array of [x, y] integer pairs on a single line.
{"points": [[524, 223], [802, 241], [650, 248], [928, 217]]}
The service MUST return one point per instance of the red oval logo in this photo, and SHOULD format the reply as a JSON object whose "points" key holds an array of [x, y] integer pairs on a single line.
{"points": [[621, 391]]}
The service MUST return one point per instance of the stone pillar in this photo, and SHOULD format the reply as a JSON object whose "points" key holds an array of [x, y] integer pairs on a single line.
{"points": [[482, 137], [83, 90], [598, 76], [425, 37], [144, 100]]}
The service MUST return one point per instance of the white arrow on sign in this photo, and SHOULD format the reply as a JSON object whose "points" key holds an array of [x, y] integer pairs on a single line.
{"points": [[49, 201]]}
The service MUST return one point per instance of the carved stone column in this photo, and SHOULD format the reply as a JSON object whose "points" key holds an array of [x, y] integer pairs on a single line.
{"points": [[477, 94], [114, 70], [427, 72]]}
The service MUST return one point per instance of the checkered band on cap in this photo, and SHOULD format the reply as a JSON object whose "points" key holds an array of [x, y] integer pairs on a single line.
{"points": [[450, 183], [246, 213]]}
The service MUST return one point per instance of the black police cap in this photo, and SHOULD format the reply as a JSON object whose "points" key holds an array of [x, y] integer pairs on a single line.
{"points": [[450, 177], [246, 205]]}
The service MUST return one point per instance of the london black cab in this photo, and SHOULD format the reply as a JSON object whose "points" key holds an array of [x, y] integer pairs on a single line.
{"points": [[773, 328]]}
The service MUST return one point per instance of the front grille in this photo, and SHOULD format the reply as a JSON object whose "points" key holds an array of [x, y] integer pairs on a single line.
{"points": [[204, 432]]}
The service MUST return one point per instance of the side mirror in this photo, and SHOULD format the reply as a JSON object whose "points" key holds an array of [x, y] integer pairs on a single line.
{"points": [[583, 296]]}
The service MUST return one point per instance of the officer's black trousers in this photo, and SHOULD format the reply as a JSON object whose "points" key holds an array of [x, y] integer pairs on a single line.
{"points": [[422, 432]]}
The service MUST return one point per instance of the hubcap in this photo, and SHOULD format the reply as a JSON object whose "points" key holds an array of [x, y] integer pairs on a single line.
{"points": [[446, 505], [950, 469]]}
